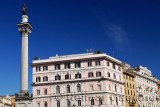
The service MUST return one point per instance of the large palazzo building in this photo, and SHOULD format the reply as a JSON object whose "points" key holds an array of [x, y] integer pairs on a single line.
{"points": [[146, 87], [86, 80]]}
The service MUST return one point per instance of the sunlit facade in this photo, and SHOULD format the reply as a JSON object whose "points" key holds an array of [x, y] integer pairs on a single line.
{"points": [[90, 80]]}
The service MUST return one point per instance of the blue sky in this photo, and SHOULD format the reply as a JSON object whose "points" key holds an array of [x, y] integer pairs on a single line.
{"points": [[129, 30]]}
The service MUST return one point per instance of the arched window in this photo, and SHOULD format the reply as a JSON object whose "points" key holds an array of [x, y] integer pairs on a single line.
{"points": [[78, 88], [79, 102], [78, 75], [68, 88], [45, 78], [114, 76], [58, 104], [38, 79], [100, 101], [45, 104], [92, 101], [108, 74], [116, 101], [68, 103], [57, 77], [58, 89], [90, 74], [115, 87], [98, 73]]}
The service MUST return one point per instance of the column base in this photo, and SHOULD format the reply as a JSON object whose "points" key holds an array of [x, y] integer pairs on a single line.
{"points": [[23, 99]]}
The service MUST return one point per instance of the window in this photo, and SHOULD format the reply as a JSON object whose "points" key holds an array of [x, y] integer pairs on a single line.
{"points": [[107, 63], [45, 68], [124, 76], [78, 75], [119, 68], [131, 92], [77, 65], [116, 101], [114, 66], [99, 87], [38, 79], [45, 104], [114, 76], [79, 102], [68, 103], [78, 88], [38, 104], [45, 91], [108, 74], [119, 77], [67, 66], [68, 88], [121, 89], [58, 104], [89, 63], [133, 86], [38, 92], [98, 74], [90, 74], [100, 101], [38, 68], [98, 63], [58, 89], [45, 78], [109, 87], [115, 88], [57, 67], [58, 77], [91, 87], [130, 86], [67, 76], [111, 100], [128, 92], [92, 101], [127, 84]]}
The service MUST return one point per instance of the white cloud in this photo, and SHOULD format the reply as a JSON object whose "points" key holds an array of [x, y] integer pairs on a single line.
{"points": [[117, 34]]}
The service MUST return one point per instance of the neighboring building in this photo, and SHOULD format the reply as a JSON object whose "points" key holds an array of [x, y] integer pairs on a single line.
{"points": [[146, 87], [129, 87], [159, 89], [90, 80], [12, 97], [5, 101]]}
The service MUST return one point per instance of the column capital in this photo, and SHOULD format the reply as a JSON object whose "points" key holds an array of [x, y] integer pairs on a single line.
{"points": [[24, 28]]}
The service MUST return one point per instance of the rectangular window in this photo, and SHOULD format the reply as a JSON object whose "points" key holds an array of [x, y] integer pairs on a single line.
{"points": [[91, 87], [89, 63], [45, 68], [107, 63], [38, 92], [57, 67], [67, 66], [109, 87], [98, 63], [114, 66], [77, 65], [99, 87], [119, 68], [45, 91], [38, 68]]}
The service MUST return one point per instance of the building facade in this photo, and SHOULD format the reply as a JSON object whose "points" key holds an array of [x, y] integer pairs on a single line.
{"points": [[86, 80], [146, 87], [5, 101], [130, 89]]}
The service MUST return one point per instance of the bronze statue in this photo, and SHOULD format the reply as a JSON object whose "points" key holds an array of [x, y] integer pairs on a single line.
{"points": [[24, 10]]}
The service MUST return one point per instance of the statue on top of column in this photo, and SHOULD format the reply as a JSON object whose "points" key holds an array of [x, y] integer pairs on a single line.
{"points": [[24, 10]]}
